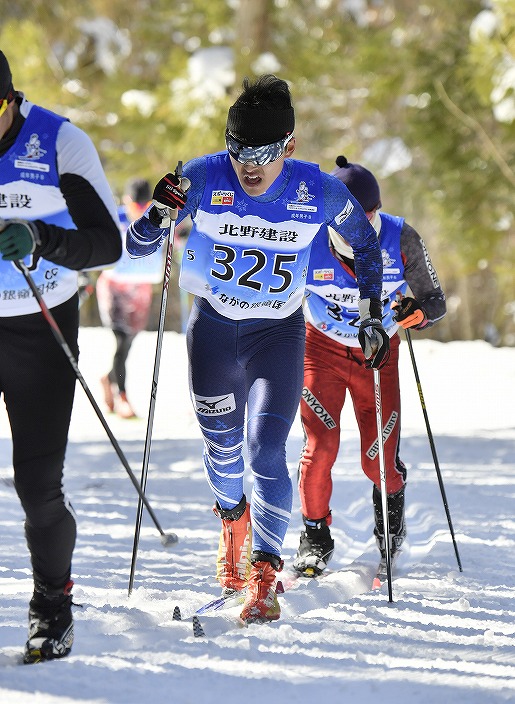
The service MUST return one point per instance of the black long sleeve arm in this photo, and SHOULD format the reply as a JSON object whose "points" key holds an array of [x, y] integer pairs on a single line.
{"points": [[421, 275], [95, 242]]}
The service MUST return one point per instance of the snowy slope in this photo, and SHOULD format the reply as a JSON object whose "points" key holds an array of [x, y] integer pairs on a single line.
{"points": [[447, 636]]}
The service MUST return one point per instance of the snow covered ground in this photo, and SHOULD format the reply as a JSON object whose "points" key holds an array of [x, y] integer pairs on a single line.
{"points": [[447, 636]]}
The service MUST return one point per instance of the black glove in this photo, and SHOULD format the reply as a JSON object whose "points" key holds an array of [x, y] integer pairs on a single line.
{"points": [[168, 198], [372, 337], [409, 313], [374, 342], [17, 239]]}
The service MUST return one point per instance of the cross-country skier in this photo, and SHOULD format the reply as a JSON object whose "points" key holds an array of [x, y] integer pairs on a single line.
{"points": [[334, 365], [256, 212], [124, 296], [59, 217]]}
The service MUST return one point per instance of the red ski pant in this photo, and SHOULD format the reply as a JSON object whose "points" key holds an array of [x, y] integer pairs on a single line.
{"points": [[330, 370]]}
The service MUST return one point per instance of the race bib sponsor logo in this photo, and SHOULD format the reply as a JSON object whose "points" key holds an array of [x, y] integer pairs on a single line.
{"points": [[344, 214], [373, 451], [31, 165], [222, 197], [388, 264], [302, 207], [33, 152], [387, 260], [323, 274], [317, 408], [302, 200], [214, 405]]}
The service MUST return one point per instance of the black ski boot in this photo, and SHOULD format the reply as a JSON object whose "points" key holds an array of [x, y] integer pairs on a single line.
{"points": [[50, 624], [316, 548], [396, 522]]}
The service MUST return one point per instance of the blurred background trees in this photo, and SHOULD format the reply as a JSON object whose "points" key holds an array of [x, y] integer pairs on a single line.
{"points": [[421, 93]]}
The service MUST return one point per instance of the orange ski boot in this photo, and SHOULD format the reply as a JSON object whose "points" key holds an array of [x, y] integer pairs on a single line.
{"points": [[261, 604], [233, 560]]}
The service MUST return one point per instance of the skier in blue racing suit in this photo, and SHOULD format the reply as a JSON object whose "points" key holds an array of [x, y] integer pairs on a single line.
{"points": [[255, 213]]}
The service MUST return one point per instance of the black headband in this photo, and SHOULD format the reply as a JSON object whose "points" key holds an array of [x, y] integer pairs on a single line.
{"points": [[257, 127]]}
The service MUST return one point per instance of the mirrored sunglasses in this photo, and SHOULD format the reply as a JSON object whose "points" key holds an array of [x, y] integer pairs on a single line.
{"points": [[260, 156]]}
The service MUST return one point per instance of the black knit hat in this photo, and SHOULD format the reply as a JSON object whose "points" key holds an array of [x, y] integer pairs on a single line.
{"points": [[361, 183], [6, 79]]}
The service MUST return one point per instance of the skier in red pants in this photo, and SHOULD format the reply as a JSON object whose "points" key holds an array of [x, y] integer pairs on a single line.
{"points": [[334, 364]]}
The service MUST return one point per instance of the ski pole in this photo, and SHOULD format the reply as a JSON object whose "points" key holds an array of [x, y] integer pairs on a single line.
{"points": [[153, 391], [432, 445], [382, 473], [166, 538]]}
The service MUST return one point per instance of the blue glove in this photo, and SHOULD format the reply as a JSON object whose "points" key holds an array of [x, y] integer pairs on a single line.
{"points": [[17, 239]]}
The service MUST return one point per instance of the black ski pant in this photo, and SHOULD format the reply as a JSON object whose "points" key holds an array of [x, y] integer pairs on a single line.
{"points": [[38, 386], [118, 373]]}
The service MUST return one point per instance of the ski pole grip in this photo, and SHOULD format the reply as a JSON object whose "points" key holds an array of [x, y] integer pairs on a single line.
{"points": [[185, 182]]}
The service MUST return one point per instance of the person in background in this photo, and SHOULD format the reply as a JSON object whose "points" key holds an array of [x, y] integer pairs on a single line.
{"points": [[334, 365], [59, 217], [256, 212], [124, 296]]}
